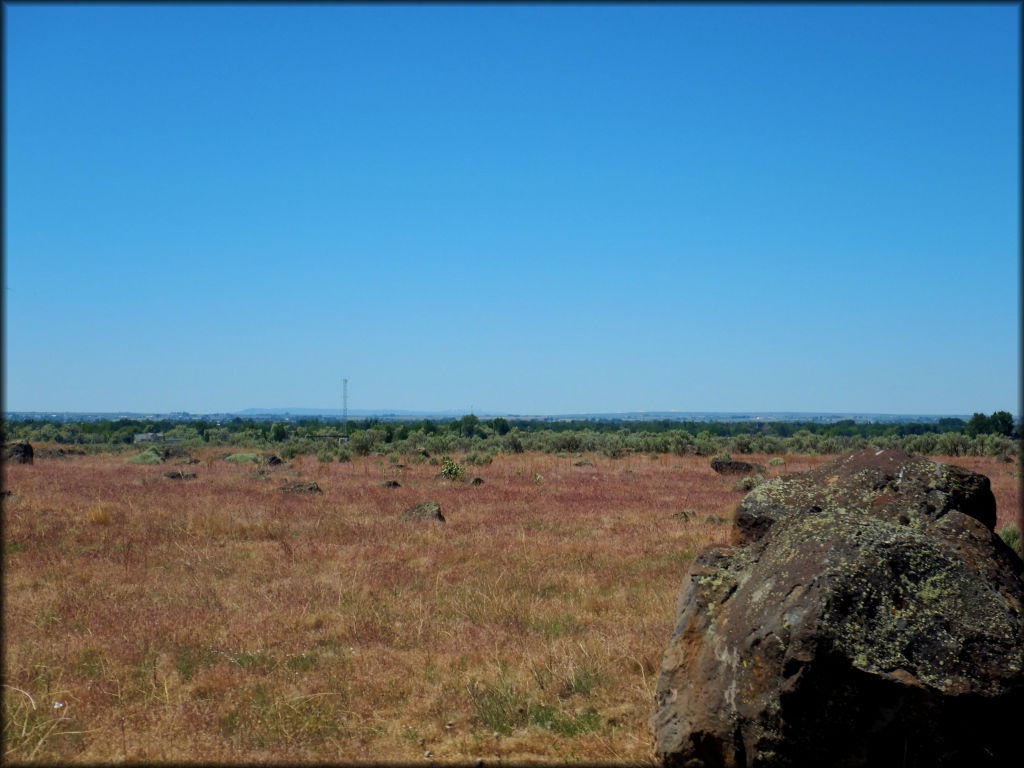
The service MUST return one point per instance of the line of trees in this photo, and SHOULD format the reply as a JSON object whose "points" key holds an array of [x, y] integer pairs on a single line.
{"points": [[981, 435]]}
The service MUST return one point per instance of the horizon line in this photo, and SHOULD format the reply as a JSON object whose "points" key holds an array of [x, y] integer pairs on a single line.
{"points": [[454, 412]]}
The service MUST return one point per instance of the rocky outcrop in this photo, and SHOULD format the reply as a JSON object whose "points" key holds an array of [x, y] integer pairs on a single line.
{"points": [[886, 485], [18, 453], [428, 510], [869, 617], [730, 467]]}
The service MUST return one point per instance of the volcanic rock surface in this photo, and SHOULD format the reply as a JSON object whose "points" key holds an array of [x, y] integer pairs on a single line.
{"points": [[869, 617]]}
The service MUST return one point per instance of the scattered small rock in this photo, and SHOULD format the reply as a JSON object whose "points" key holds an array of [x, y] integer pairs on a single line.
{"points": [[298, 486], [390, 484], [173, 475], [684, 514], [428, 510], [477, 481], [731, 467]]}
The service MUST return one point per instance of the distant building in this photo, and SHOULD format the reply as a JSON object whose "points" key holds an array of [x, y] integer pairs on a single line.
{"points": [[149, 437]]}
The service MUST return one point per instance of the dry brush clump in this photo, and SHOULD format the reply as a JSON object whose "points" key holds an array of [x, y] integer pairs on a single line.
{"points": [[217, 619]]}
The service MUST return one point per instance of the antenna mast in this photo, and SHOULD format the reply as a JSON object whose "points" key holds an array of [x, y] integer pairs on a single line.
{"points": [[344, 407]]}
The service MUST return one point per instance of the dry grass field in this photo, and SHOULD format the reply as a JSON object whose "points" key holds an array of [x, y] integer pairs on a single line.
{"points": [[219, 619]]}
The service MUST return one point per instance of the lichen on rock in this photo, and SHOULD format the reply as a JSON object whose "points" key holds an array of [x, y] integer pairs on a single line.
{"points": [[869, 613]]}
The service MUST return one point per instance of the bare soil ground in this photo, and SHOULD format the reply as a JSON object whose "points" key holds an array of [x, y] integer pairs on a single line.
{"points": [[219, 619]]}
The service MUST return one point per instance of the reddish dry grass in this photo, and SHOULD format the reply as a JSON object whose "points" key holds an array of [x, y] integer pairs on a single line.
{"points": [[218, 619]]}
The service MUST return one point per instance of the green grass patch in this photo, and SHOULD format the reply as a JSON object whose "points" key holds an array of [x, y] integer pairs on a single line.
{"points": [[669, 560], [554, 626], [501, 707], [259, 661], [303, 662], [91, 664], [189, 660], [266, 720], [242, 458], [553, 719]]}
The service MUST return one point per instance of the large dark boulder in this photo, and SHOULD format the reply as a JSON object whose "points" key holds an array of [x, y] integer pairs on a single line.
{"points": [[732, 467], [18, 453], [869, 617]]}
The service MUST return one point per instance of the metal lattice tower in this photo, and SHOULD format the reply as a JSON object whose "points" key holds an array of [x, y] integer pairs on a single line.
{"points": [[344, 404]]}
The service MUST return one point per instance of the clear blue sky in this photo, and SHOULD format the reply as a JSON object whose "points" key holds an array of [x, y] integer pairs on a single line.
{"points": [[512, 208]]}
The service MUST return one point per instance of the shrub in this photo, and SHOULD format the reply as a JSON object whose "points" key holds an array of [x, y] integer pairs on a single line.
{"points": [[148, 456], [245, 458], [614, 447], [366, 441], [1010, 534], [748, 483], [512, 443], [450, 470], [778, 461]]}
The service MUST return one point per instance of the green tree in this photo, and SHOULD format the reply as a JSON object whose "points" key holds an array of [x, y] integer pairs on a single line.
{"points": [[278, 432], [470, 425], [980, 424], [1001, 423]]}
